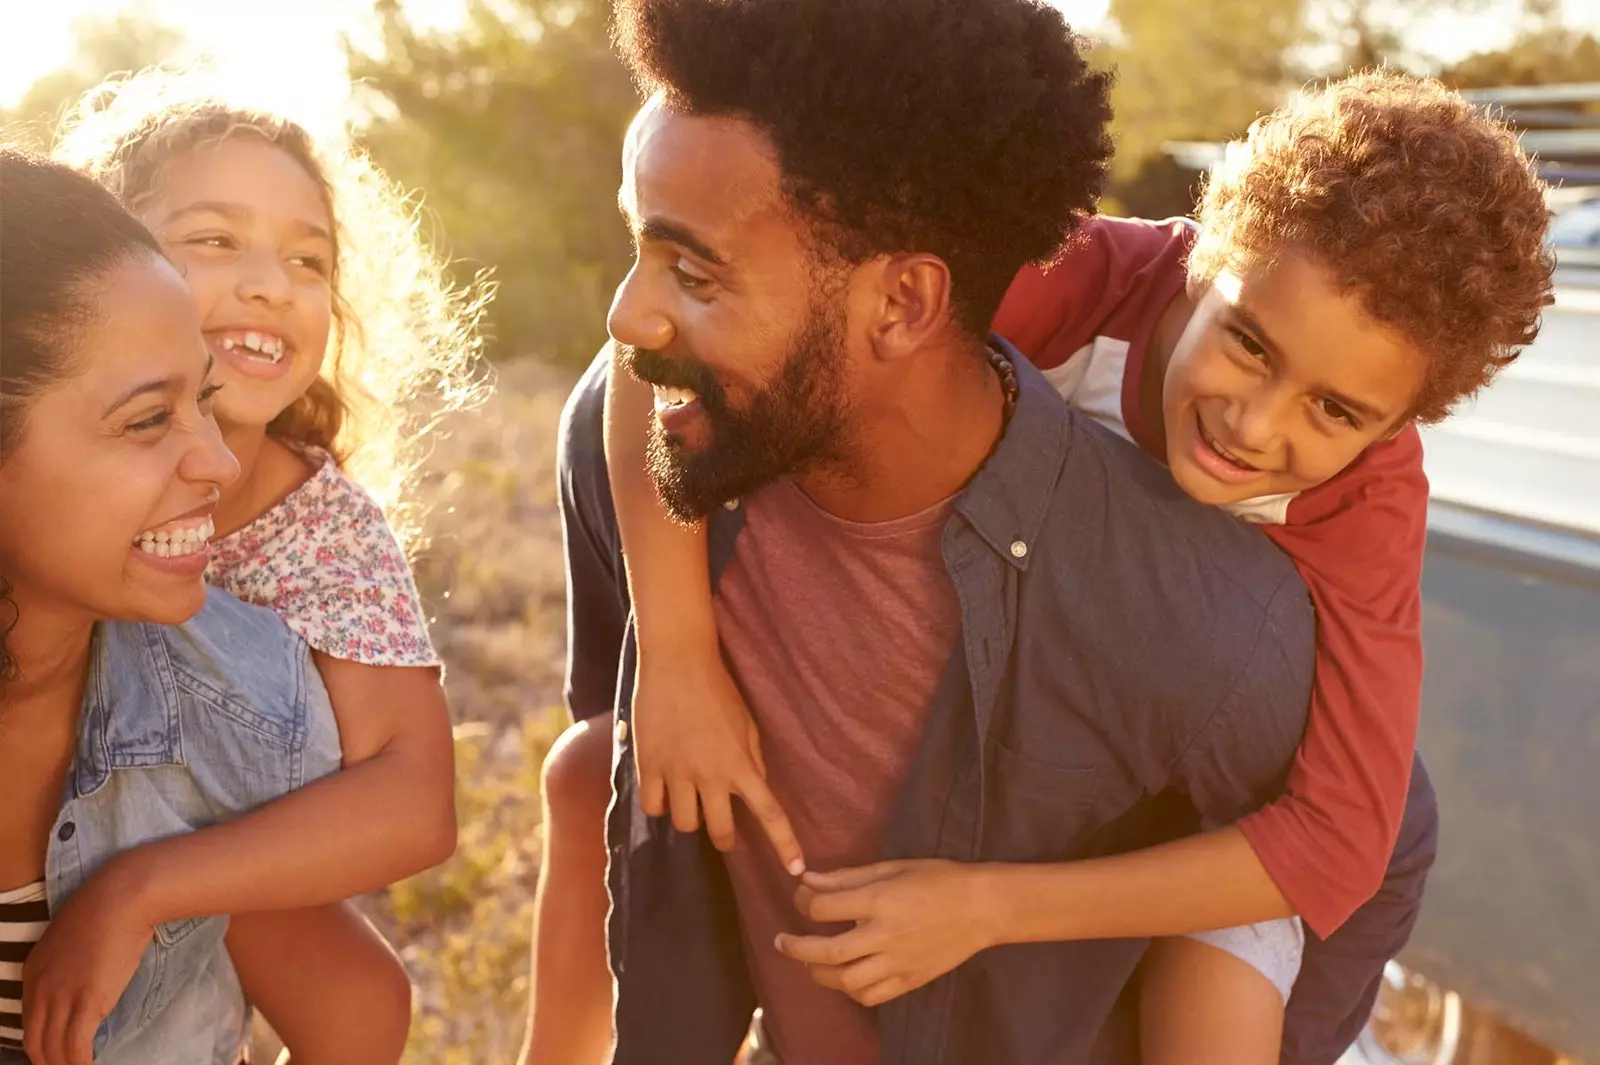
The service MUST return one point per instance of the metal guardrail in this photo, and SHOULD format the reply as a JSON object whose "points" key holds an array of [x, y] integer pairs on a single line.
{"points": [[1568, 155]]}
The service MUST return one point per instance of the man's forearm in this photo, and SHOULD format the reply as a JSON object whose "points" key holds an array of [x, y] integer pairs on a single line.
{"points": [[1194, 884]]}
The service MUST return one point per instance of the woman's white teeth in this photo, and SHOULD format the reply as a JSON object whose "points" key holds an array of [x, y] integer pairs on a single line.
{"points": [[269, 347], [173, 543], [674, 397]]}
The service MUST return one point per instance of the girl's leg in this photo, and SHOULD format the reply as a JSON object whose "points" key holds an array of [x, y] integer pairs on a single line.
{"points": [[1219, 999], [330, 985], [569, 1016]]}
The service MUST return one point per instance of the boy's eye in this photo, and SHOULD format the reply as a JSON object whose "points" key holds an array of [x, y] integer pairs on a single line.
{"points": [[1337, 413]]}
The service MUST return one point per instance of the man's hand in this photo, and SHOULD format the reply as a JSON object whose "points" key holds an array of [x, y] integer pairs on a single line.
{"points": [[80, 967], [697, 746], [914, 922]]}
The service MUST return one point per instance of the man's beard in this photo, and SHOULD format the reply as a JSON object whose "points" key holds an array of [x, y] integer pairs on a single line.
{"points": [[798, 422]]}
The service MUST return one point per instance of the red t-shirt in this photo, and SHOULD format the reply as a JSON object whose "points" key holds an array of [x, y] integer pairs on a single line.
{"points": [[1356, 539]]}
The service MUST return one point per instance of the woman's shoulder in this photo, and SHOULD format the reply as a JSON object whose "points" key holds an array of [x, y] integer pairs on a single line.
{"points": [[238, 667]]}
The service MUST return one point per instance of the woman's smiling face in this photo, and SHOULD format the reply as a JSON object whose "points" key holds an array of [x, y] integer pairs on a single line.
{"points": [[251, 232], [1279, 382], [105, 501]]}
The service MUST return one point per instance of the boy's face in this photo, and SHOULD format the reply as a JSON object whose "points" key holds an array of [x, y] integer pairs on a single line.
{"points": [[1279, 382]]}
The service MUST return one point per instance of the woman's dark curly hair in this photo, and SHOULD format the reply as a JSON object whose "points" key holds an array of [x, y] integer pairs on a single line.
{"points": [[973, 130], [1421, 205], [60, 234]]}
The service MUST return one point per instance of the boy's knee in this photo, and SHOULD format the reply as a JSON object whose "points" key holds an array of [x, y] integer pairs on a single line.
{"points": [[577, 772]]}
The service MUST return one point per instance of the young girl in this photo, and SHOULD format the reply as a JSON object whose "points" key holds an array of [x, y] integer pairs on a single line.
{"points": [[336, 342], [1378, 232]]}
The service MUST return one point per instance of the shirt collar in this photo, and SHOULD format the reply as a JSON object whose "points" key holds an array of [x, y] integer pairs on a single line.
{"points": [[1008, 498], [130, 712]]}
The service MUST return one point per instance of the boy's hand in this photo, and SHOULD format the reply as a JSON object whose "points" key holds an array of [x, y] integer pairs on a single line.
{"points": [[79, 969], [697, 746], [914, 922]]}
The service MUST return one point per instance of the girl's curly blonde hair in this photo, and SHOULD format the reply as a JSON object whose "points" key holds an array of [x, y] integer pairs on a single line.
{"points": [[1419, 203], [405, 348]]}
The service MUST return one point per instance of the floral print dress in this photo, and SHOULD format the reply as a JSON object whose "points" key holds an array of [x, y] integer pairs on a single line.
{"points": [[326, 561]]}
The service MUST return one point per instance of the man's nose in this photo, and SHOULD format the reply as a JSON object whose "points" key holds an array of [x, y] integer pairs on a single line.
{"points": [[635, 319]]}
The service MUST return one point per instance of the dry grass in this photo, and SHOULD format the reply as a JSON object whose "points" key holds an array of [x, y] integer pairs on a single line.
{"points": [[491, 573]]}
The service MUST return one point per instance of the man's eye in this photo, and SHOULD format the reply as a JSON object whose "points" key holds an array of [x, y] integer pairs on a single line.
{"points": [[212, 240], [690, 282]]}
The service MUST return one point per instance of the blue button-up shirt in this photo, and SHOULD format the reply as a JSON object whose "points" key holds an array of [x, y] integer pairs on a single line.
{"points": [[1133, 663], [184, 726]]}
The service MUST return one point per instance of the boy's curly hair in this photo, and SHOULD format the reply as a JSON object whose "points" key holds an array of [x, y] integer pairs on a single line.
{"points": [[975, 131], [1424, 207], [405, 347]]}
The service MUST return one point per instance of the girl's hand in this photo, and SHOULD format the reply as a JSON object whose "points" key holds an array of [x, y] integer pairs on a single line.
{"points": [[79, 969], [914, 922], [697, 746]]}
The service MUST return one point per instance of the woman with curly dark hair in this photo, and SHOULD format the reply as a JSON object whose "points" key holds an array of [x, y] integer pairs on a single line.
{"points": [[134, 707]]}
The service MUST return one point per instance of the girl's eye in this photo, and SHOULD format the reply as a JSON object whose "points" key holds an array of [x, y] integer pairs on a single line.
{"points": [[207, 394], [1247, 343], [314, 263]]}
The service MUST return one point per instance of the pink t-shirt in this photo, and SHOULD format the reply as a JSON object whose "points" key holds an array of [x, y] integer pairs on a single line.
{"points": [[326, 561], [837, 633]]}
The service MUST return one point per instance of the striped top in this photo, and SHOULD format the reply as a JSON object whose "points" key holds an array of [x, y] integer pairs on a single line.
{"points": [[24, 914]]}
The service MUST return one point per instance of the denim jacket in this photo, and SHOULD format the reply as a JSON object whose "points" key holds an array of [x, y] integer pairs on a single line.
{"points": [[184, 726], [1130, 663]]}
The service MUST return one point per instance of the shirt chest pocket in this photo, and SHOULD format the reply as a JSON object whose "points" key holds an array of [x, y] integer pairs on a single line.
{"points": [[1036, 811], [177, 953]]}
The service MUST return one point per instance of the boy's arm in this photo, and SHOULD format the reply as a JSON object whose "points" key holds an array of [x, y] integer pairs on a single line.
{"points": [[1358, 542], [694, 739]]}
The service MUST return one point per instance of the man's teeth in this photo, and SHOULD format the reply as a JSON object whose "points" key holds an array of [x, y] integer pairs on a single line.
{"points": [[174, 543], [674, 397], [271, 348]]}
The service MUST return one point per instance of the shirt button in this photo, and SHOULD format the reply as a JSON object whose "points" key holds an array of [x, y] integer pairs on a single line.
{"points": [[732, 504], [622, 732], [1018, 549], [66, 831]]}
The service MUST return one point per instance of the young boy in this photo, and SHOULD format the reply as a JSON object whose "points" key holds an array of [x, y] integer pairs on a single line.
{"points": [[1371, 254]]}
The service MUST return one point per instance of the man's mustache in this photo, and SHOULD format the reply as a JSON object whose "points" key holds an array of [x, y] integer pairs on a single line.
{"points": [[672, 371]]}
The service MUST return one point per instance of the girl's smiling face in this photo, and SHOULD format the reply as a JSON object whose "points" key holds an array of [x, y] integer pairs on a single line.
{"points": [[253, 236], [1279, 382]]}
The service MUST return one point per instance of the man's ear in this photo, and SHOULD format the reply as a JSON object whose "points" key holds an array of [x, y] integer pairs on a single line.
{"points": [[911, 295]]}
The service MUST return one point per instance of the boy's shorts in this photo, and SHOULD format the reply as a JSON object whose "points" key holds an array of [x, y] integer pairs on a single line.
{"points": [[1272, 948]]}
